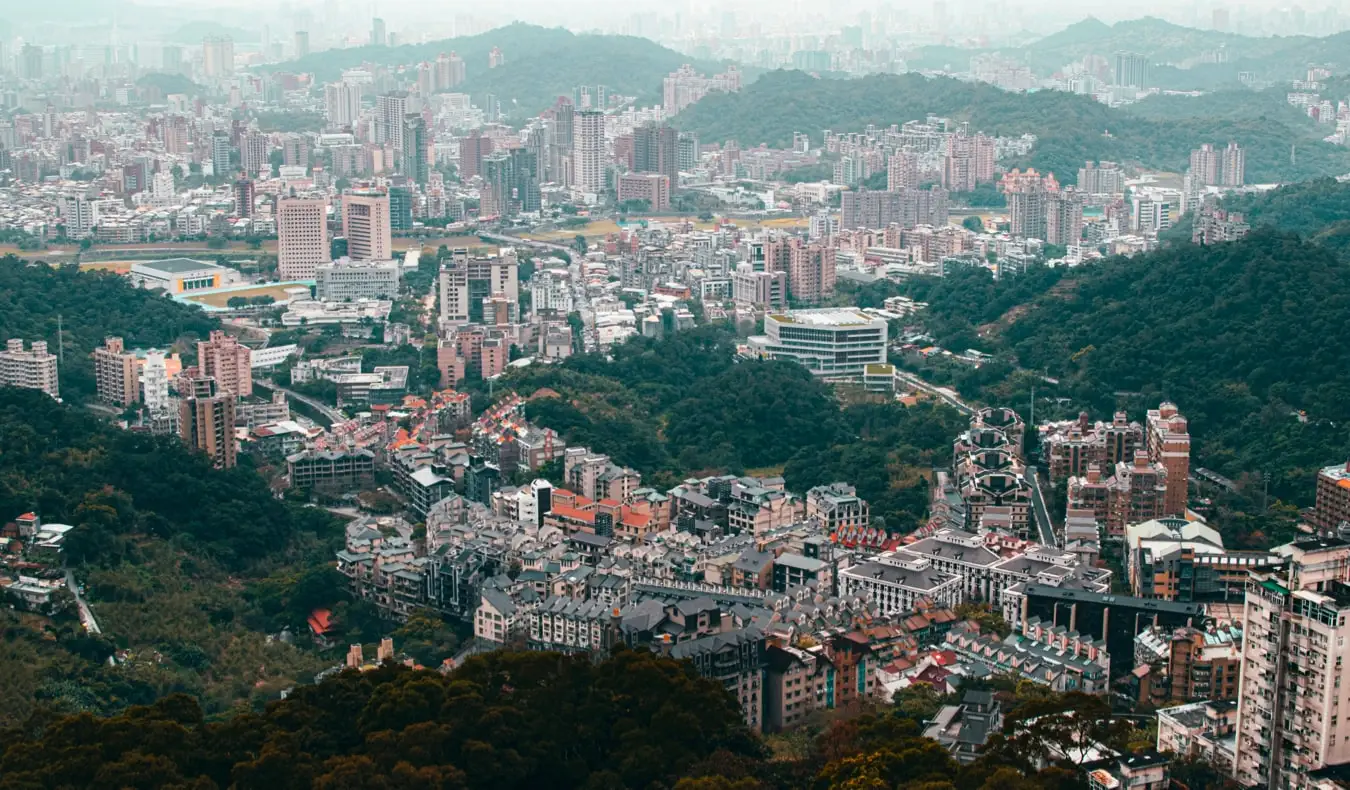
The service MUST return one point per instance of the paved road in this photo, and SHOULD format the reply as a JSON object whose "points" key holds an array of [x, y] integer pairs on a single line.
{"points": [[1038, 509], [333, 415], [947, 397], [86, 614]]}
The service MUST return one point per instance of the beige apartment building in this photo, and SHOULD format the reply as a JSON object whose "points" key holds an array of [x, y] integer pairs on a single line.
{"points": [[1295, 672], [116, 374]]}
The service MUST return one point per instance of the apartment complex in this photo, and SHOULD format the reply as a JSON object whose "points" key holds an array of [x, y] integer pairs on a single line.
{"points": [[1072, 446], [830, 342], [1169, 444], [226, 360], [1331, 514], [115, 374], [34, 368], [1294, 668], [206, 422]]}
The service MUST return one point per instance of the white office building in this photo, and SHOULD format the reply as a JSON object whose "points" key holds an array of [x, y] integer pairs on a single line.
{"points": [[895, 581], [830, 342], [345, 280]]}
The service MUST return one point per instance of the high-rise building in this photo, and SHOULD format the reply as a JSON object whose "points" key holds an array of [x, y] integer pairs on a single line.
{"points": [[295, 150], [229, 362], [902, 171], [1220, 20], [401, 199], [969, 161], [33, 369], [254, 154], [687, 152], [378, 33], [1233, 166], [217, 58], [1331, 514], [834, 342], [220, 154], [588, 152], [656, 150], [684, 86], [390, 108], [302, 237], [1169, 443], [115, 374], [366, 224], [155, 383], [206, 422], [342, 103], [415, 163], [496, 58], [453, 286], [511, 183], [243, 197], [447, 72], [1028, 195], [1296, 623], [80, 215], [1101, 178], [810, 268], [31, 61], [1064, 217], [908, 208], [473, 149], [301, 43], [175, 132], [1206, 166], [1132, 70]]}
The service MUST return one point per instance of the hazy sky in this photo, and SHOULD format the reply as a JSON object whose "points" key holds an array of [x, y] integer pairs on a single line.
{"points": [[417, 19]]}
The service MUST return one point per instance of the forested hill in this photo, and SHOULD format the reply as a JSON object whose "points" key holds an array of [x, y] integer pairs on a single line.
{"points": [[541, 64], [180, 560], [1319, 211], [36, 299], [545, 721], [684, 406], [1242, 336], [1071, 129]]}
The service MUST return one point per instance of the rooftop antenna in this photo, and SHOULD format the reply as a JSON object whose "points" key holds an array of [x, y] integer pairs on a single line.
{"points": [[60, 343]]}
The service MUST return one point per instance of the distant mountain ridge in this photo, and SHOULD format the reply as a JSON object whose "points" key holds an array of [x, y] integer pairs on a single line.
{"points": [[1183, 57], [540, 64], [1070, 129]]}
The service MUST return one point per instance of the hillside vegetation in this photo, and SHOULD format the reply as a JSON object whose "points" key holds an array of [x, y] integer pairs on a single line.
{"points": [[1316, 210], [1242, 336], [541, 64], [1071, 129], [1177, 52], [179, 560], [685, 406], [35, 298], [544, 720]]}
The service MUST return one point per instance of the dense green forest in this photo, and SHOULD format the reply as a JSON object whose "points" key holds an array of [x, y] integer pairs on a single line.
{"points": [[684, 406], [541, 64], [544, 720], [89, 306], [1241, 336], [1273, 58], [1071, 129], [1319, 211], [179, 559]]}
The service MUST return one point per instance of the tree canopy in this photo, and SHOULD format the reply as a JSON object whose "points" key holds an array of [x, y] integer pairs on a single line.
{"points": [[89, 305], [685, 406], [1070, 129]]}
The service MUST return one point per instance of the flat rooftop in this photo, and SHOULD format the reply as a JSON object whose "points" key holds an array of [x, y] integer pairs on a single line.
{"points": [[826, 317], [176, 265]]}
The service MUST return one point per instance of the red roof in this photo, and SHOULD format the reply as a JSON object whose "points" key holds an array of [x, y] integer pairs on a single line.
{"points": [[320, 621], [572, 514]]}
